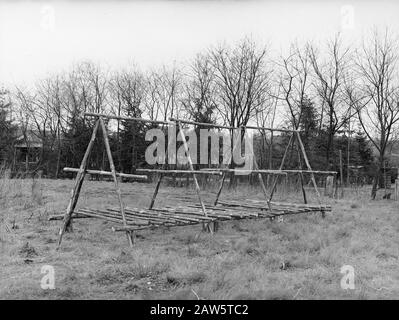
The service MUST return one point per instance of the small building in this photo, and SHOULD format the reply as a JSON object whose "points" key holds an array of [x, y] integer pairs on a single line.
{"points": [[27, 150]]}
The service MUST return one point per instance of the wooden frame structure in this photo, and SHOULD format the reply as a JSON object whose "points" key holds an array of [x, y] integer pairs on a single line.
{"points": [[277, 173], [208, 214]]}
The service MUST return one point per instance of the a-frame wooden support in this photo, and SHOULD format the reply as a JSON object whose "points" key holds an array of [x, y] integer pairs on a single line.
{"points": [[75, 192], [255, 164], [305, 157], [300, 150], [210, 226]]}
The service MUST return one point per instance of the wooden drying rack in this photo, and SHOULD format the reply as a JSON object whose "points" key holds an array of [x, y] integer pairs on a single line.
{"points": [[129, 220]]}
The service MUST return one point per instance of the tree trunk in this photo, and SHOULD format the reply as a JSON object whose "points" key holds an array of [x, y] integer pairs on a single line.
{"points": [[377, 177]]}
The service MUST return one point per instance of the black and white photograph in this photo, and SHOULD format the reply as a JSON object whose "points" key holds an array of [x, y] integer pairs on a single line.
{"points": [[217, 152]]}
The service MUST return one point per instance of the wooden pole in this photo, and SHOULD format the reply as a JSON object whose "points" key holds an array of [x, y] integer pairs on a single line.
{"points": [[275, 180], [229, 127], [260, 178], [154, 196], [341, 172], [224, 174], [273, 172], [105, 116], [78, 185], [159, 180], [348, 155], [108, 173], [190, 164], [118, 190], [174, 172], [301, 177], [305, 157], [174, 120], [220, 188]]}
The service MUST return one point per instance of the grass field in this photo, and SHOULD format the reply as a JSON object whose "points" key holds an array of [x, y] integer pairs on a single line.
{"points": [[298, 258]]}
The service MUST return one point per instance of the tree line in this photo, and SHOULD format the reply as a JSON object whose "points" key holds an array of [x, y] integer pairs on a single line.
{"points": [[344, 98]]}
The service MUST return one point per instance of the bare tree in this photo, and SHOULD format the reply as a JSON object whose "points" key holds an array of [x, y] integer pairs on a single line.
{"points": [[242, 80], [330, 73], [127, 89], [295, 82], [49, 99], [199, 91], [163, 91], [43, 113], [266, 117], [375, 95]]}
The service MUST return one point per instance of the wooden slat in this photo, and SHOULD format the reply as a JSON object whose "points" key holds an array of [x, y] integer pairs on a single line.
{"points": [[212, 214], [61, 216], [155, 215], [185, 215], [133, 218]]}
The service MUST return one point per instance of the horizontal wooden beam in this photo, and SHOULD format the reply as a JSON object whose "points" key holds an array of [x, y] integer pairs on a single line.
{"points": [[108, 173], [211, 125], [277, 207], [61, 216], [173, 120], [133, 228], [165, 171], [282, 172], [107, 116]]}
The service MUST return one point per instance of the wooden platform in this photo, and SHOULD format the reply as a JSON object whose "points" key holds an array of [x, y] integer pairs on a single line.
{"points": [[140, 219]]}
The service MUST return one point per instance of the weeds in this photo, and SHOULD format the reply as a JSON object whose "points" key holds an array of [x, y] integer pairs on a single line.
{"points": [[253, 259]]}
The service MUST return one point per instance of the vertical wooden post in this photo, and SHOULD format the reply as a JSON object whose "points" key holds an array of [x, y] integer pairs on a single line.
{"points": [[113, 172], [224, 174], [275, 180], [348, 155], [190, 164], [220, 188], [154, 196], [305, 157], [13, 169], [329, 189], [301, 177], [159, 180], [341, 172], [67, 222], [260, 178]]}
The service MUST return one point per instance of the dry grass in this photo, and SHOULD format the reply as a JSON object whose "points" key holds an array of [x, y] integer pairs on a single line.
{"points": [[299, 258]]}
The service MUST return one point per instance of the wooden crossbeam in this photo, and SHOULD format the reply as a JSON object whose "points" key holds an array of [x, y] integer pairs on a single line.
{"points": [[174, 120], [277, 172], [108, 116], [211, 125], [108, 173], [166, 171]]}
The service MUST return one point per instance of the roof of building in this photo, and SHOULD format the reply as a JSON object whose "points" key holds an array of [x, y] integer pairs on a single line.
{"points": [[30, 139]]}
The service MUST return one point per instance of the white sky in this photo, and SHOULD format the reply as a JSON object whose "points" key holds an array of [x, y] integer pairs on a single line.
{"points": [[39, 37]]}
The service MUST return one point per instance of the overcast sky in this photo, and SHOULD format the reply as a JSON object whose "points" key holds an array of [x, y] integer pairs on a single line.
{"points": [[37, 38]]}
